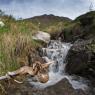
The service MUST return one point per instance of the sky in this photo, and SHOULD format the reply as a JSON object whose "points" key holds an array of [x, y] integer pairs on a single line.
{"points": [[30, 8]]}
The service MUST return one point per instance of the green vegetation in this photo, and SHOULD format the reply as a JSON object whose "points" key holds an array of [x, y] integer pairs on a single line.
{"points": [[16, 38], [83, 27], [46, 22], [16, 35], [14, 49], [91, 47]]}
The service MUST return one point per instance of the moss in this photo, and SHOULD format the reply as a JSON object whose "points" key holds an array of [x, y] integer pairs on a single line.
{"points": [[91, 47]]}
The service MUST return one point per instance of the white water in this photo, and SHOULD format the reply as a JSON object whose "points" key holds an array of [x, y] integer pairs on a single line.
{"points": [[57, 52]]}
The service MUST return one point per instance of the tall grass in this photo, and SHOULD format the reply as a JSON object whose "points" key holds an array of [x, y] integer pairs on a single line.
{"points": [[14, 48], [15, 43], [16, 40]]}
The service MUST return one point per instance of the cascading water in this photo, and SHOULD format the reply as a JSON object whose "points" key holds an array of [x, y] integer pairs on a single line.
{"points": [[57, 51]]}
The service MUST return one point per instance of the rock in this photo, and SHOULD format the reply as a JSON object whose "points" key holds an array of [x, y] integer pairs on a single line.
{"points": [[81, 60], [43, 36], [77, 62], [1, 24], [61, 88]]}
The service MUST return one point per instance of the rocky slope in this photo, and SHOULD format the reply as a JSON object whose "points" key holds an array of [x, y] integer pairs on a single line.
{"points": [[81, 57]]}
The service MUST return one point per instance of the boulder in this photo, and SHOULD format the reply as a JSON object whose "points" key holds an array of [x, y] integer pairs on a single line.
{"points": [[43, 36], [81, 60], [63, 88], [1, 24]]}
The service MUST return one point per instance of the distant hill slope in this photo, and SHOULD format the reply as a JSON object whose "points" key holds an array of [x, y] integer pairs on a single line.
{"points": [[49, 19], [46, 22]]}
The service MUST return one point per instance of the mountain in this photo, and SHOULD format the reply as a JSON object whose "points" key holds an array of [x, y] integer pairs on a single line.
{"points": [[49, 19], [49, 22]]}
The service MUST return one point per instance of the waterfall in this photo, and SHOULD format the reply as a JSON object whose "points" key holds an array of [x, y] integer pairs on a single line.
{"points": [[57, 51]]}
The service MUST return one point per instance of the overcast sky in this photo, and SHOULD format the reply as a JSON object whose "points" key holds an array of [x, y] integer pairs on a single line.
{"points": [[30, 8]]}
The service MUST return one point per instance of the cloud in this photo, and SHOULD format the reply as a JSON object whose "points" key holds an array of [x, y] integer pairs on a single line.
{"points": [[29, 8]]}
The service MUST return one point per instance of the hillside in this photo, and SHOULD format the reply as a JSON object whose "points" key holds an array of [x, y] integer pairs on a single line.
{"points": [[45, 22], [83, 27], [81, 57]]}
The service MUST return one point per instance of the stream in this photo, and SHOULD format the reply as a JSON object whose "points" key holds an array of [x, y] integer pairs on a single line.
{"points": [[57, 51]]}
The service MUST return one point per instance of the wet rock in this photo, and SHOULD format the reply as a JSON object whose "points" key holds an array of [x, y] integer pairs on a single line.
{"points": [[61, 88], [77, 61], [81, 61]]}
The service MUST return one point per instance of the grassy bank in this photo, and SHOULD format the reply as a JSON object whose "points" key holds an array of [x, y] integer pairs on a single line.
{"points": [[14, 49], [16, 38]]}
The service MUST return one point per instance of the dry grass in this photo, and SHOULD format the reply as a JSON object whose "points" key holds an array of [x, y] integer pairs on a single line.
{"points": [[14, 51], [14, 48]]}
